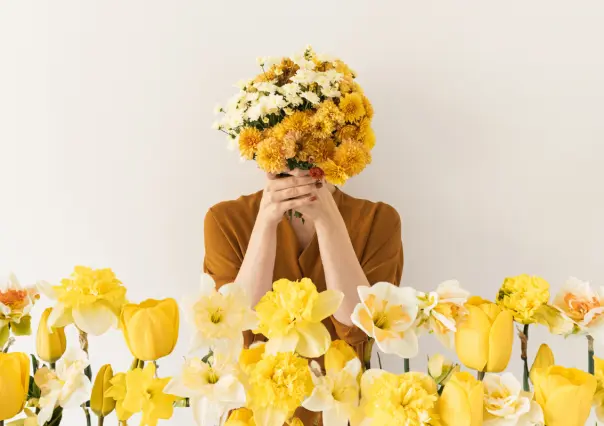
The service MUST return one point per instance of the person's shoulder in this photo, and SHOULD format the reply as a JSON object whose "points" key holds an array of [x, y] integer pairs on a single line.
{"points": [[360, 209], [242, 205]]}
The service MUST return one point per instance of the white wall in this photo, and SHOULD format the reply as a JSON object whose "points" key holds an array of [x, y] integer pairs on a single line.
{"points": [[489, 125]]}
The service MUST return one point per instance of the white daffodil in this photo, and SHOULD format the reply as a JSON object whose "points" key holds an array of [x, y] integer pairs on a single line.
{"points": [[440, 311], [580, 304], [67, 386], [506, 404], [387, 313], [213, 388], [336, 394], [15, 305], [220, 317]]}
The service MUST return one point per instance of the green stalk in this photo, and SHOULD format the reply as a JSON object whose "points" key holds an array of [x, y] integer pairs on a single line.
{"points": [[379, 360], [590, 355], [480, 375], [101, 421], [524, 335], [406, 366], [87, 414]]}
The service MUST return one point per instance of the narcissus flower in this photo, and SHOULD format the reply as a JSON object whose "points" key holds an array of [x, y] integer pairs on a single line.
{"points": [[117, 391], [291, 317], [506, 404], [338, 355], [387, 314], [15, 305], [241, 417], [523, 296], [92, 299]]}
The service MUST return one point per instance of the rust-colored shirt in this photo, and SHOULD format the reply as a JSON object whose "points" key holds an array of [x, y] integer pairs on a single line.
{"points": [[375, 234]]}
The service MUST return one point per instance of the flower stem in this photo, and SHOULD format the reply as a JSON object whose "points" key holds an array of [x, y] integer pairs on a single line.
{"points": [[480, 375], [1, 422], [406, 366], [84, 346], [590, 355], [87, 414], [53, 365], [524, 335], [379, 360], [101, 421]]}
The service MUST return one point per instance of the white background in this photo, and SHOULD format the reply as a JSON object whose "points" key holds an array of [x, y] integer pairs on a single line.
{"points": [[488, 118]]}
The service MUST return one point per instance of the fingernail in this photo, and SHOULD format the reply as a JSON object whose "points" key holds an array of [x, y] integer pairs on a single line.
{"points": [[313, 198], [319, 184]]}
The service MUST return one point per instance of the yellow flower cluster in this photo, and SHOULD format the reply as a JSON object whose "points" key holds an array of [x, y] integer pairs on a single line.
{"points": [[303, 112], [523, 296]]}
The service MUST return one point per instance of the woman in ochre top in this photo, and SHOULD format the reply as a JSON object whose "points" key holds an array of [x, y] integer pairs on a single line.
{"points": [[343, 243]]}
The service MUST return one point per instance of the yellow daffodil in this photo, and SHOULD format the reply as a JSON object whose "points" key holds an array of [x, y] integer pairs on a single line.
{"points": [[15, 305], [583, 306], [484, 338], [523, 296], [117, 391], [145, 393], [336, 394], [220, 317], [543, 359], [241, 417], [213, 387], [461, 402], [251, 356], [564, 394], [66, 386], [557, 322], [277, 386], [387, 313], [14, 383], [50, 342], [100, 404], [291, 317], [599, 395], [506, 404], [441, 310], [338, 355], [405, 399], [150, 328], [92, 299], [441, 369], [31, 419]]}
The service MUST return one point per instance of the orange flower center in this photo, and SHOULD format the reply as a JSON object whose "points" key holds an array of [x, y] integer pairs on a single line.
{"points": [[579, 307], [13, 298]]}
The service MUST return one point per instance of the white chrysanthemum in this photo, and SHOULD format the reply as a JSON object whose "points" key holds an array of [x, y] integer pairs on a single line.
{"points": [[266, 87], [506, 404], [311, 97], [303, 63], [330, 92], [304, 76]]}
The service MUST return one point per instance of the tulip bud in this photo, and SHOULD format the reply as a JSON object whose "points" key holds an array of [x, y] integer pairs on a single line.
{"points": [[543, 359], [14, 383], [150, 328], [441, 369], [461, 403], [50, 342], [484, 338], [99, 403]]}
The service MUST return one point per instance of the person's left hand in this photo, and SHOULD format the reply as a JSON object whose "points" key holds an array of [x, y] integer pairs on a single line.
{"points": [[323, 210]]}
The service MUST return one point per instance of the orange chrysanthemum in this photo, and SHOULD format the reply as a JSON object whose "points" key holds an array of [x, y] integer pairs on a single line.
{"points": [[352, 157], [352, 107], [249, 138], [334, 173], [328, 110], [348, 132], [316, 150], [298, 121], [270, 156]]}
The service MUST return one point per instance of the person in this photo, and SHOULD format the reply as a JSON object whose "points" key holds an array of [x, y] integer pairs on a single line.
{"points": [[342, 243]]}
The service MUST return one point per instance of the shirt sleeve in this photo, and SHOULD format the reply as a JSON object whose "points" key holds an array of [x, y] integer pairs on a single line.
{"points": [[382, 261], [221, 261]]}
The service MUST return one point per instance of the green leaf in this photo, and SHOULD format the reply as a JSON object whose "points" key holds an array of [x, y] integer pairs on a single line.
{"points": [[23, 327], [33, 391], [34, 363]]}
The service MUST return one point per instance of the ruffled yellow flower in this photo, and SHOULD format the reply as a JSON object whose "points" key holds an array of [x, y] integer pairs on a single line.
{"points": [[321, 127], [405, 399], [249, 138], [369, 139], [461, 403], [277, 386], [368, 107], [599, 395], [352, 157], [299, 121], [270, 156], [92, 299], [15, 304], [329, 111], [241, 417], [349, 132], [523, 296], [352, 107], [144, 393], [117, 391], [315, 150], [291, 317], [334, 173]]}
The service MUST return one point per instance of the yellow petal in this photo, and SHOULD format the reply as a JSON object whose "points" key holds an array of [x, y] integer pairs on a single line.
{"points": [[338, 354], [14, 383], [100, 404], [314, 339], [269, 417], [472, 339], [326, 305], [95, 318], [543, 359], [569, 405], [454, 406], [501, 339]]}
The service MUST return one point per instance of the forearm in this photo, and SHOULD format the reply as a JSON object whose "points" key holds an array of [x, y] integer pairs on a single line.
{"points": [[343, 271], [256, 272]]}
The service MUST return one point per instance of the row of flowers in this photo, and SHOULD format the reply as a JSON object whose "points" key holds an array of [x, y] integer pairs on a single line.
{"points": [[225, 384]]}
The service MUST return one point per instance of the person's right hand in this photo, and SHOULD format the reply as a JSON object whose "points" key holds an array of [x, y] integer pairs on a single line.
{"points": [[285, 193]]}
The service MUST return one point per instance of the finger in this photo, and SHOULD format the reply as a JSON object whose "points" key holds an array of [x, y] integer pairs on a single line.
{"points": [[299, 173], [289, 182], [298, 202], [291, 193], [271, 176]]}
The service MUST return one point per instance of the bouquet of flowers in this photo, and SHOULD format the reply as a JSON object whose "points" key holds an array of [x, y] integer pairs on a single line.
{"points": [[304, 112]]}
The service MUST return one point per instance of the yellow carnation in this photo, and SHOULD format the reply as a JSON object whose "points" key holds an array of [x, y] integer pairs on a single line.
{"points": [[270, 156], [249, 138], [523, 296], [352, 107], [352, 157], [334, 173]]}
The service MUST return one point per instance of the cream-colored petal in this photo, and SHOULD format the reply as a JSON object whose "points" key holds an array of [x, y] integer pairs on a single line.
{"points": [[60, 316], [405, 347], [94, 319], [282, 344], [326, 305], [314, 339], [320, 399], [336, 416], [269, 417]]}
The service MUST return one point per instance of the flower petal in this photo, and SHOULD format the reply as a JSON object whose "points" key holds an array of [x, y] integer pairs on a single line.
{"points": [[406, 346], [269, 416], [336, 416], [59, 317], [326, 305], [314, 339], [282, 344], [95, 318], [320, 399]]}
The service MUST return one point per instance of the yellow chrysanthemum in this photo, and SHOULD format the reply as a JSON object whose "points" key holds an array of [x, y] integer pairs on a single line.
{"points": [[369, 139], [352, 107], [316, 150], [241, 417], [291, 317], [334, 173], [523, 296], [270, 156], [328, 110], [321, 128], [348, 132], [405, 399], [352, 157], [280, 382], [298, 121], [368, 107], [341, 67], [249, 138]]}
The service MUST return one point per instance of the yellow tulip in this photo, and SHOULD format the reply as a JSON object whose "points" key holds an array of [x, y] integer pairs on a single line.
{"points": [[484, 339], [150, 328], [564, 394], [14, 383], [50, 342], [461, 403], [100, 404], [543, 359]]}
